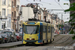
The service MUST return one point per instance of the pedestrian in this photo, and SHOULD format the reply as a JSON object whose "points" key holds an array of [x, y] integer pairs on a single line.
{"points": [[63, 30]]}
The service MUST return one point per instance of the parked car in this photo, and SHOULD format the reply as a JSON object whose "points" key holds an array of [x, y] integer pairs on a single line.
{"points": [[5, 38], [0, 38], [1, 31], [11, 34], [9, 29], [17, 36], [20, 34]]}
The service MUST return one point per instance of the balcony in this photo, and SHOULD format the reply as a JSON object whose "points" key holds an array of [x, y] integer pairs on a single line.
{"points": [[17, 7], [9, 5], [3, 17]]}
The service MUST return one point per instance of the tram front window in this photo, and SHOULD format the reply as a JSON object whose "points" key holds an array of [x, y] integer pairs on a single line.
{"points": [[31, 29]]}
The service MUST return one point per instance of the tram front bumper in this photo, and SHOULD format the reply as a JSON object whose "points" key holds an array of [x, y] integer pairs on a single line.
{"points": [[31, 40]]}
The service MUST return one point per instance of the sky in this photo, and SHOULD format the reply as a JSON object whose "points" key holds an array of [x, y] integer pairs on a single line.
{"points": [[48, 4]]}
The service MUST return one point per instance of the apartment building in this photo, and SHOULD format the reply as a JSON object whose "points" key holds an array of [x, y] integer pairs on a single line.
{"points": [[0, 8], [6, 9], [15, 4], [5, 13]]}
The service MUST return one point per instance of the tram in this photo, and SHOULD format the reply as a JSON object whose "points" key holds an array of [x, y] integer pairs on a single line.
{"points": [[36, 32]]}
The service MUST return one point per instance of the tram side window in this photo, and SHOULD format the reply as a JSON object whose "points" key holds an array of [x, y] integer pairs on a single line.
{"points": [[48, 29], [52, 29], [44, 29]]}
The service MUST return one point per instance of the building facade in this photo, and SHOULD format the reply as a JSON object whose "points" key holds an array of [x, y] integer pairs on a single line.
{"points": [[15, 4], [5, 13]]}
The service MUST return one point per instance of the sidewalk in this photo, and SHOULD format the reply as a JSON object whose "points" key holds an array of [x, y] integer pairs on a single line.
{"points": [[10, 44]]}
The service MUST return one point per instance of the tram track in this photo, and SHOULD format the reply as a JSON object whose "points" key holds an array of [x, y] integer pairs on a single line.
{"points": [[58, 38], [66, 42], [69, 42], [62, 40]]}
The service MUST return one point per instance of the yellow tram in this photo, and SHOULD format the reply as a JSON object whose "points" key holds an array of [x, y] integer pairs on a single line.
{"points": [[37, 32]]}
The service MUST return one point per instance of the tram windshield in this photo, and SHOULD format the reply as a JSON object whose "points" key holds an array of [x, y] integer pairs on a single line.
{"points": [[31, 29]]}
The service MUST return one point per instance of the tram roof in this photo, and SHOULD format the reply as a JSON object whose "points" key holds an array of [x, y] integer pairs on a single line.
{"points": [[36, 20]]}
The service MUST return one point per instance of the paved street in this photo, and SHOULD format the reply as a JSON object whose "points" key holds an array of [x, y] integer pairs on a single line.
{"points": [[41, 48], [37, 48], [10, 44], [60, 41]]}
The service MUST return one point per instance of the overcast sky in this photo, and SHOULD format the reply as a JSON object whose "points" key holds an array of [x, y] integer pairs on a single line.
{"points": [[48, 4]]}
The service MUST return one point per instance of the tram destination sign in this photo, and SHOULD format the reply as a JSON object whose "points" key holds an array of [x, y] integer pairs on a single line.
{"points": [[31, 23]]}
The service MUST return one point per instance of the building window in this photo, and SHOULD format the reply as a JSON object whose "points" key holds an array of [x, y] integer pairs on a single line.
{"points": [[3, 12], [14, 2], [9, 3], [4, 2], [12, 14], [3, 26]]}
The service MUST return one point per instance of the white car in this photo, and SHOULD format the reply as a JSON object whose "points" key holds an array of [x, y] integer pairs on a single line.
{"points": [[9, 29]]}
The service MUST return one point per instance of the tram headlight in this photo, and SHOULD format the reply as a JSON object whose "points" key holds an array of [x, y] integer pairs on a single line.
{"points": [[30, 38], [33, 39]]}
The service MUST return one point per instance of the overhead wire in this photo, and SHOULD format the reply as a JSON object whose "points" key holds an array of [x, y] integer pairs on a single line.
{"points": [[50, 4], [27, 0], [40, 1], [59, 4]]}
